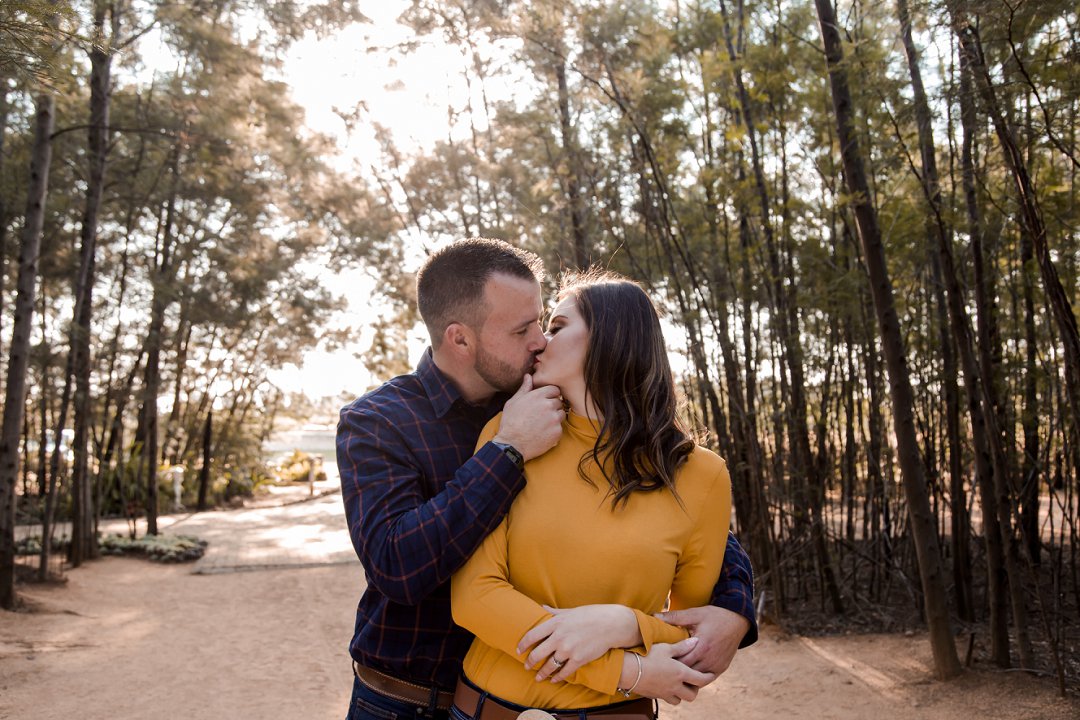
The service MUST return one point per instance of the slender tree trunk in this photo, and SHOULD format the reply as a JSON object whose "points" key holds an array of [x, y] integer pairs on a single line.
{"points": [[1029, 493], [43, 414], [572, 170], [204, 471], [152, 376], [3, 198], [170, 446], [995, 554], [83, 537], [922, 522], [951, 312], [18, 356]]}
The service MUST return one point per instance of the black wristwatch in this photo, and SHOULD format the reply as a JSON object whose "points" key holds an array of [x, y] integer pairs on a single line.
{"points": [[511, 452]]}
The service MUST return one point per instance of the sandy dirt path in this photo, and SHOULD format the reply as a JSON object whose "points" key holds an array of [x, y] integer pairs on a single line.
{"points": [[128, 639]]}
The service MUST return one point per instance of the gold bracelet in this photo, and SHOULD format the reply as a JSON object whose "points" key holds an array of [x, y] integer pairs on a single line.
{"points": [[626, 693]]}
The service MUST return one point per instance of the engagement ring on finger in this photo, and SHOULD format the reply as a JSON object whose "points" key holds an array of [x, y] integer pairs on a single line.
{"points": [[558, 663]]}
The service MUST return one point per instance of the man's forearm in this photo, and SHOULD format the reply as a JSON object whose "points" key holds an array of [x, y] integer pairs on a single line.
{"points": [[734, 590], [410, 545]]}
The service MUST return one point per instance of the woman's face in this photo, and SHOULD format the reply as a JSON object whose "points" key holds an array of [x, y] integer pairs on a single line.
{"points": [[562, 362]]}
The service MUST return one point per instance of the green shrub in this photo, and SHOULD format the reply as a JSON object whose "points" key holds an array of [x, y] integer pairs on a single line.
{"points": [[158, 548], [296, 467]]}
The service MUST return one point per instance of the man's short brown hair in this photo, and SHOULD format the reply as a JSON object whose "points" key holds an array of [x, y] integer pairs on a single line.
{"points": [[450, 285]]}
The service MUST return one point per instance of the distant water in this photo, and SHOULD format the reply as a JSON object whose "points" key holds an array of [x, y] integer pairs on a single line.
{"points": [[311, 440]]}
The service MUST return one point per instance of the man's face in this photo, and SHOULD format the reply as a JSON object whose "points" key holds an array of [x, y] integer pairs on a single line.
{"points": [[510, 337]]}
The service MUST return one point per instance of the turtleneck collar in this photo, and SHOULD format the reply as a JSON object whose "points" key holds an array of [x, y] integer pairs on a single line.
{"points": [[581, 425]]}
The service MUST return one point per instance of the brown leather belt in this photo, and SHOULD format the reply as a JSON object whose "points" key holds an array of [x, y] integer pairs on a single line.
{"points": [[467, 698], [402, 690]]}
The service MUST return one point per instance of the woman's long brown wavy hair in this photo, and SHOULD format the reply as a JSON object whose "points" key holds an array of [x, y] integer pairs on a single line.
{"points": [[628, 378]]}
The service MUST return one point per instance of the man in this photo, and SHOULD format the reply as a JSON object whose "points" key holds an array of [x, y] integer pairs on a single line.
{"points": [[419, 501]]}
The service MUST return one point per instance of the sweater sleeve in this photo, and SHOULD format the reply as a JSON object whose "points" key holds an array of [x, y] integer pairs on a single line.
{"points": [[703, 555], [699, 563]]}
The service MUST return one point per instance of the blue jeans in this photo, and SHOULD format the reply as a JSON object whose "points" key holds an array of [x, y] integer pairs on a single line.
{"points": [[366, 704]]}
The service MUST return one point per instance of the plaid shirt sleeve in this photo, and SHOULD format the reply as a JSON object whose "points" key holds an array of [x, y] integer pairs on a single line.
{"points": [[734, 590], [409, 537]]}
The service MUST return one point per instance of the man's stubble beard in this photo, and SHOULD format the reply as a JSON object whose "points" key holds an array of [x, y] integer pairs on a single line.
{"points": [[498, 374]]}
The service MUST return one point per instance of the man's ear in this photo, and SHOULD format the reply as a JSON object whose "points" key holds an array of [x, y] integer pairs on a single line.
{"points": [[459, 339]]}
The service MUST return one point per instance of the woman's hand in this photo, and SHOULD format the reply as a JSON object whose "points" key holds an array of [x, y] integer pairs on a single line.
{"points": [[576, 636], [663, 675]]}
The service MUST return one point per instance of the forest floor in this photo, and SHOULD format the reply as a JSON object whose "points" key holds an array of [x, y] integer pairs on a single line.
{"points": [[259, 628]]}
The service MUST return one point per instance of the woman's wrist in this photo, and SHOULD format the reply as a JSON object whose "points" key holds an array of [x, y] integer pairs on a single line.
{"points": [[629, 634], [630, 677]]}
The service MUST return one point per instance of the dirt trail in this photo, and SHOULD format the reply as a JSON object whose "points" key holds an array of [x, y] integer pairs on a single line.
{"points": [[128, 639]]}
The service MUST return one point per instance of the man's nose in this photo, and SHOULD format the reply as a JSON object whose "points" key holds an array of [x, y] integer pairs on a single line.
{"points": [[540, 342]]}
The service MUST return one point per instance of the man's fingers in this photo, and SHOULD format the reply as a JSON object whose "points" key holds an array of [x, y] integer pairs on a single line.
{"points": [[526, 385], [671, 616], [698, 680], [681, 618], [548, 391], [692, 657], [684, 647]]}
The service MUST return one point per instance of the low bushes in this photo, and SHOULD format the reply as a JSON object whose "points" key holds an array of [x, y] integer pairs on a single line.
{"points": [[158, 548]]}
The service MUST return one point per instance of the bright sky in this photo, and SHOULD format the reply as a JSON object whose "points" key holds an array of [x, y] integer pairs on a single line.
{"points": [[408, 94]]}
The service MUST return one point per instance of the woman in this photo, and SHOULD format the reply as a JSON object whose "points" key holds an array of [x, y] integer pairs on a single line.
{"points": [[625, 509]]}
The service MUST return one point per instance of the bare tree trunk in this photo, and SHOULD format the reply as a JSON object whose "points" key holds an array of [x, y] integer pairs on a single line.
{"points": [[572, 170], [3, 201], [18, 357], [152, 376], [995, 555], [952, 312], [922, 522], [83, 537], [1029, 489], [204, 471], [170, 445]]}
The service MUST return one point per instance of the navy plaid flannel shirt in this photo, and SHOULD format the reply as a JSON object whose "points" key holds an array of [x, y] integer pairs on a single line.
{"points": [[418, 502]]}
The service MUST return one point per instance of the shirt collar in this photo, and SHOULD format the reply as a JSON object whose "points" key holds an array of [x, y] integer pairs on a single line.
{"points": [[442, 393]]}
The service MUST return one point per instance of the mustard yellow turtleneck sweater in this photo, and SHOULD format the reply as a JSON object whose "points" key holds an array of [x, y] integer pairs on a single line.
{"points": [[563, 545]]}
